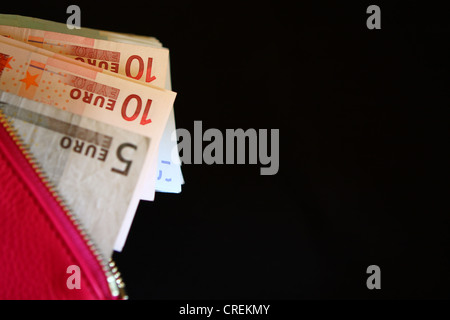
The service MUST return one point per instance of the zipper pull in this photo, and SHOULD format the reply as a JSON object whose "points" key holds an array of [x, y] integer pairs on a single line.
{"points": [[115, 281]]}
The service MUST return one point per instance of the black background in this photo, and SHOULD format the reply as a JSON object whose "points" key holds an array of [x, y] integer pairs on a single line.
{"points": [[363, 118]]}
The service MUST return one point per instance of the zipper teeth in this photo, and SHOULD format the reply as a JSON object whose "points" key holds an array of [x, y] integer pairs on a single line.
{"points": [[113, 276]]}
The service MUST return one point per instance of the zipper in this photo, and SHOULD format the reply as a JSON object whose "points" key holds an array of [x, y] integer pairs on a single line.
{"points": [[110, 271]]}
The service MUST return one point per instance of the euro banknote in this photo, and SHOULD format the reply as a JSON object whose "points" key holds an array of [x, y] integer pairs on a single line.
{"points": [[90, 93], [94, 166], [142, 63], [136, 53], [41, 24]]}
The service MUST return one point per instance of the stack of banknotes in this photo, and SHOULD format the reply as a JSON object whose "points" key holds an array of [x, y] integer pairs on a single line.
{"points": [[95, 109]]}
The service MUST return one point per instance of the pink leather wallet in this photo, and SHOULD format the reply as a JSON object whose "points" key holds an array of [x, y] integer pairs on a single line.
{"points": [[44, 252]]}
